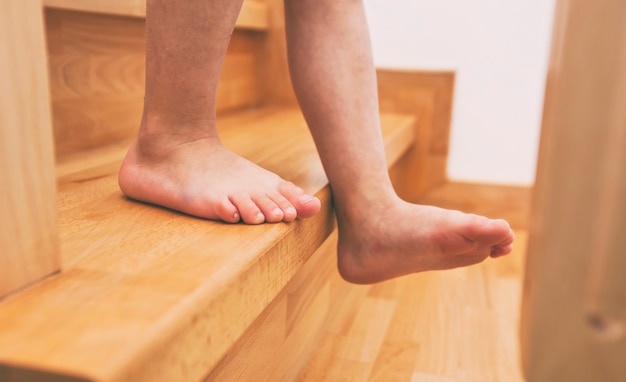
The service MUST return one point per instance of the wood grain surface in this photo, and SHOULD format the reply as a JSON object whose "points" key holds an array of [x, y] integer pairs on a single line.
{"points": [[459, 325], [97, 76], [150, 294], [456, 325], [574, 316], [28, 222], [493, 200], [428, 95], [253, 13]]}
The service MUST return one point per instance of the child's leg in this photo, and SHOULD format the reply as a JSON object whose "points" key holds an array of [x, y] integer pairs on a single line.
{"points": [[177, 160], [380, 236]]}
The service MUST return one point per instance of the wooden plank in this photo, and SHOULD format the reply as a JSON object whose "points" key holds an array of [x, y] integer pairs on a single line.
{"points": [[28, 225], [496, 201], [428, 95], [97, 78], [136, 8], [291, 326], [150, 294], [276, 87], [253, 13], [574, 313]]}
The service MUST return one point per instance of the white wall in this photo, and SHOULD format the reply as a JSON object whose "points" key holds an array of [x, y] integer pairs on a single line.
{"points": [[499, 50]]}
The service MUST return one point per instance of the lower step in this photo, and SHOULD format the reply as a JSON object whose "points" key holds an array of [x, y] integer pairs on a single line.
{"points": [[148, 294], [280, 341]]}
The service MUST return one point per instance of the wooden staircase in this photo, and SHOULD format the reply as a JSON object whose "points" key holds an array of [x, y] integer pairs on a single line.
{"points": [[148, 294], [115, 290]]}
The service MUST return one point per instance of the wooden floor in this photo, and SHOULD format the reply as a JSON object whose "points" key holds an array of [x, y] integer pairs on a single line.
{"points": [[459, 325]]}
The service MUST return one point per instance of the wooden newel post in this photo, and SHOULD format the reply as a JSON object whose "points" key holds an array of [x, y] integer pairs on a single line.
{"points": [[574, 310], [28, 211]]}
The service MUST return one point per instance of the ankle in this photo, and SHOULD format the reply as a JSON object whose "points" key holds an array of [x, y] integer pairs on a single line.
{"points": [[367, 206], [157, 137]]}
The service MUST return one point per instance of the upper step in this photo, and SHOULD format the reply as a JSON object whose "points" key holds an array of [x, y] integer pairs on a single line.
{"points": [[97, 73], [149, 294], [254, 14]]}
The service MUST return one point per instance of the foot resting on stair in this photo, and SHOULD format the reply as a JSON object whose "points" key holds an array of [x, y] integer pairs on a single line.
{"points": [[204, 179]]}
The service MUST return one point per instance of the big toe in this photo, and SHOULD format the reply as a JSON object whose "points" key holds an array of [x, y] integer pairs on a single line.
{"points": [[501, 250], [489, 231], [306, 205]]}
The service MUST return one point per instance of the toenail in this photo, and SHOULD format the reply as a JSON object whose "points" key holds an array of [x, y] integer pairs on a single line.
{"points": [[290, 211], [236, 216], [307, 198]]}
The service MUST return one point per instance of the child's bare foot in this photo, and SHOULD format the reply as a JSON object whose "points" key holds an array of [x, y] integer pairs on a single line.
{"points": [[204, 179], [400, 238]]}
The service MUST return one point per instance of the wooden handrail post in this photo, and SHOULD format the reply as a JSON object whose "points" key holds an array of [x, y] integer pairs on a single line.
{"points": [[29, 247], [574, 304]]}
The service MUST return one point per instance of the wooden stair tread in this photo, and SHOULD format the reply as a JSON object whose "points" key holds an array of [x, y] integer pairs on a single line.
{"points": [[254, 13], [150, 294]]}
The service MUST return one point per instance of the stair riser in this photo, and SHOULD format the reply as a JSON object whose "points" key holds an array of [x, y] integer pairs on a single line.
{"points": [[97, 76]]}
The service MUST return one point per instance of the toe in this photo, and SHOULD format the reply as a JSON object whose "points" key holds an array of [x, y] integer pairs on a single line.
{"points": [[248, 210], [309, 206], [489, 232], [501, 250], [268, 207], [226, 211], [306, 205], [288, 210]]}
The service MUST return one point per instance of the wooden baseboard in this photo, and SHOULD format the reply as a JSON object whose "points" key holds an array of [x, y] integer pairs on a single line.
{"points": [[497, 201]]}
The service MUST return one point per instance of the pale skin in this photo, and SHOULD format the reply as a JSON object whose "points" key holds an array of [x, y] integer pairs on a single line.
{"points": [[177, 160]]}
